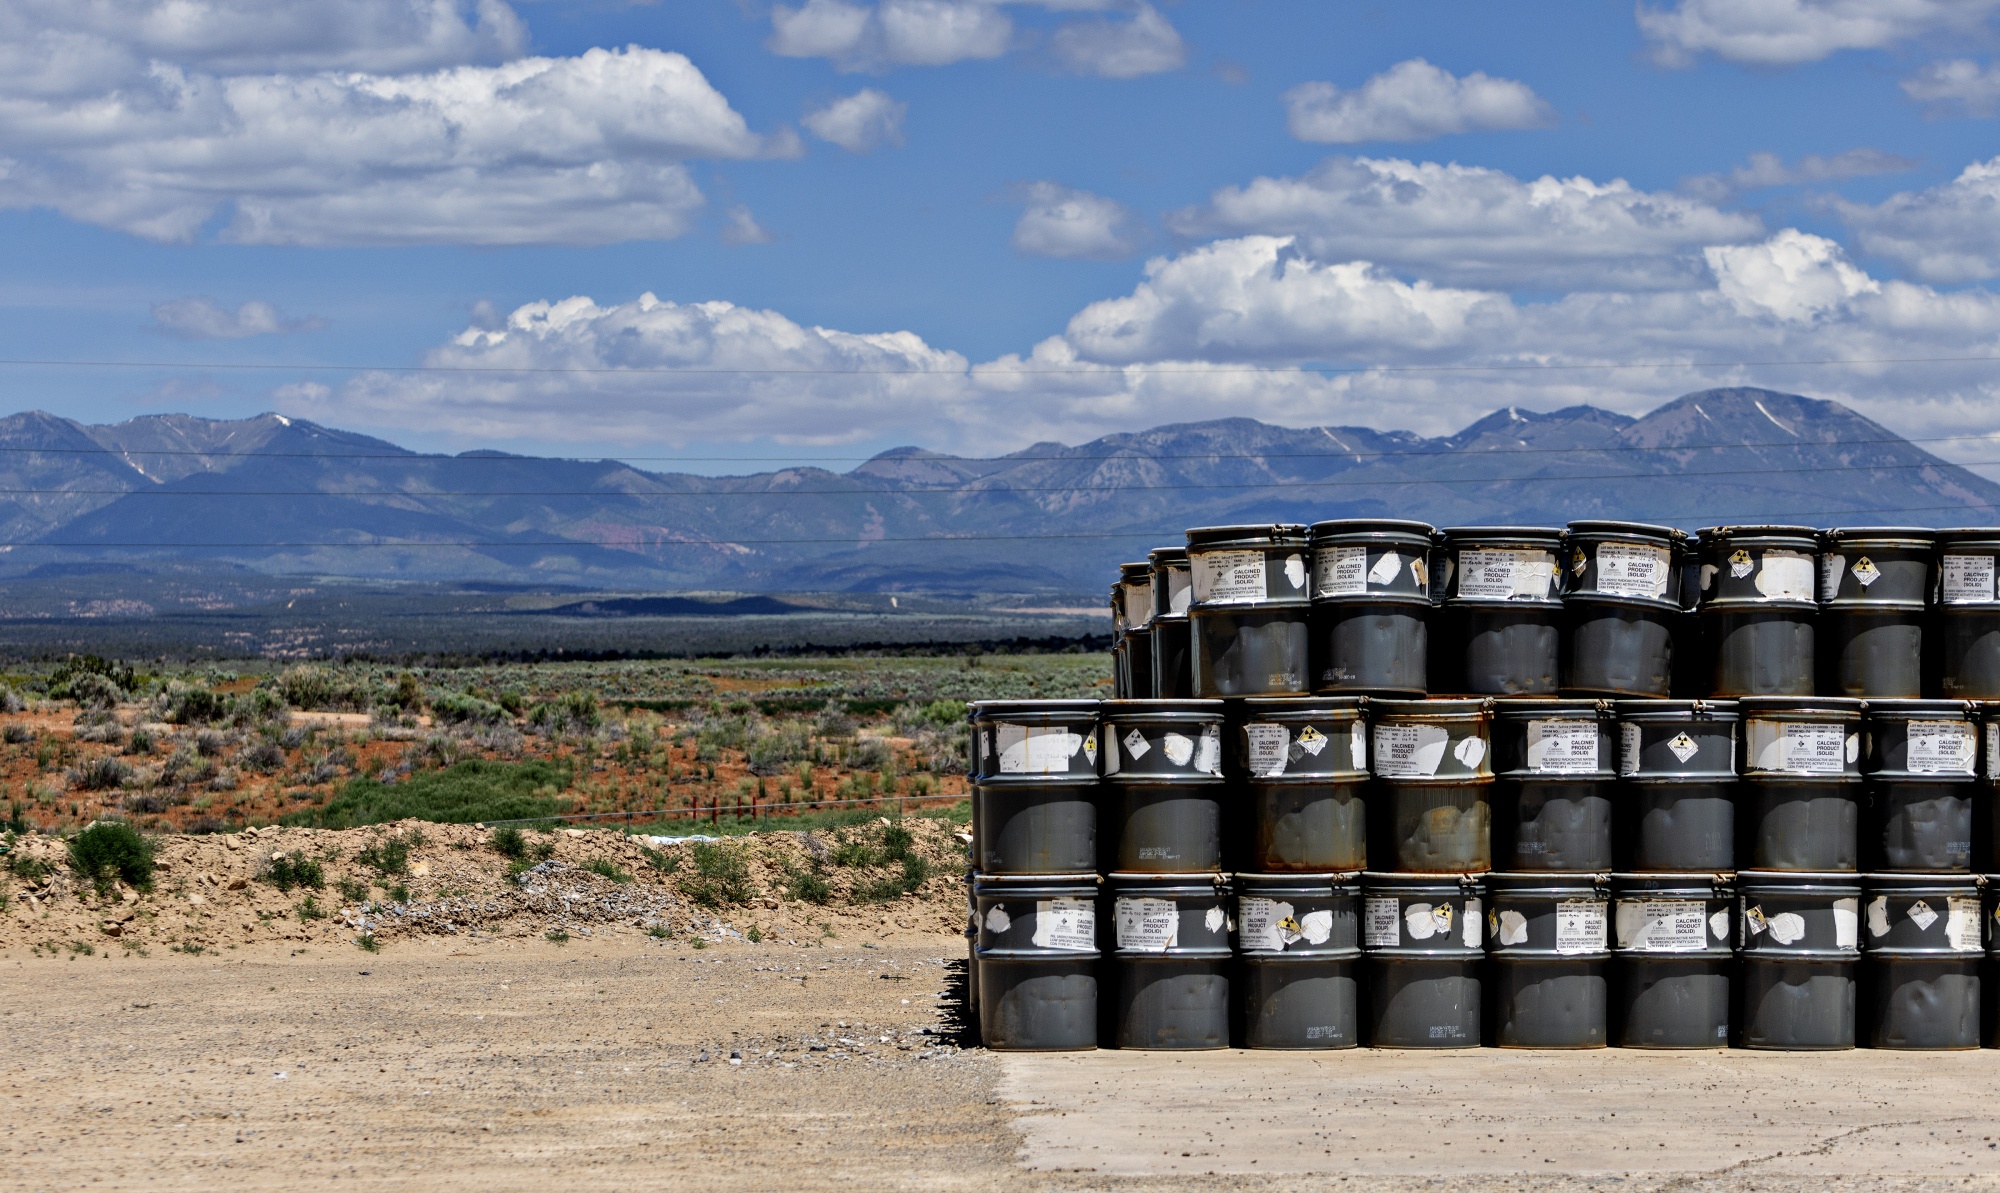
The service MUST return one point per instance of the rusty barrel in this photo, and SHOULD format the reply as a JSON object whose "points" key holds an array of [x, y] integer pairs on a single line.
{"points": [[1371, 606], [1173, 675], [1301, 763], [1503, 610], [1251, 590], [1432, 807]]}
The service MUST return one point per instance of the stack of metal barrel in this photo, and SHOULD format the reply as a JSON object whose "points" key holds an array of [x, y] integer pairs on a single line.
{"points": [[1367, 782]]}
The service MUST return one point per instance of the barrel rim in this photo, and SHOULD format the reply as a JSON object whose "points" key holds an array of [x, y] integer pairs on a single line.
{"points": [[1033, 882], [1830, 705], [1845, 880], [1711, 534], [1667, 880], [1467, 883], [1524, 707], [1524, 881], [1268, 881], [1138, 706], [1381, 529], [1615, 528], [1899, 707], [1921, 536], [1968, 535], [1534, 535], [1263, 534], [980, 707], [1446, 706], [1916, 883], [1660, 709], [1213, 881], [1166, 555], [1338, 706]]}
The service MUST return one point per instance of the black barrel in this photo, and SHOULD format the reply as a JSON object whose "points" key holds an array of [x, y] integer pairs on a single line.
{"points": [[1799, 805], [1799, 940], [1163, 785], [1171, 962], [1967, 625], [1422, 936], [1251, 595], [1173, 675], [1874, 589], [1621, 596], [971, 944], [1298, 950], [1677, 761], [1920, 961], [1990, 990], [1121, 664], [1433, 764], [1549, 938], [1503, 610], [1036, 959], [1554, 766], [1034, 786], [1303, 763], [1135, 589], [1673, 937], [1758, 606], [1371, 606], [1921, 769]]}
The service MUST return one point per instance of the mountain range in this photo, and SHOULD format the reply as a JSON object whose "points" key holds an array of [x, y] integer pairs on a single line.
{"points": [[281, 496]]}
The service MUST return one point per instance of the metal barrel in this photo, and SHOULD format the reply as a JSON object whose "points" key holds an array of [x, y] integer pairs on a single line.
{"points": [[1799, 940], [1621, 588], [1139, 662], [1433, 787], [1549, 939], [1371, 606], [1921, 952], [1034, 786], [1163, 790], [1554, 766], [1251, 589], [1171, 961], [1422, 934], [971, 946], [1757, 604], [1302, 763], [1121, 669], [1135, 595], [1673, 938], [1503, 610], [1985, 823], [1921, 770], [1990, 991], [1037, 960], [1967, 613], [1799, 804], [1677, 761], [1298, 953], [1173, 678], [1874, 590]]}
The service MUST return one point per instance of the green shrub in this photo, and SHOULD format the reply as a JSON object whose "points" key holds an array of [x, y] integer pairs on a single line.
{"points": [[102, 773], [571, 712], [915, 872], [604, 869], [556, 936], [507, 841], [466, 793], [458, 708], [289, 870], [109, 851], [807, 886], [367, 943], [353, 890], [720, 877], [183, 704], [390, 855], [310, 910], [659, 859]]}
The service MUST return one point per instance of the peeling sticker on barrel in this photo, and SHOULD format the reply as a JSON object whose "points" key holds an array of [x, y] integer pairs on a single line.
{"points": [[1470, 936], [1740, 564], [1787, 927], [1036, 749], [1066, 925], [1632, 570], [1853, 746], [1295, 570], [1311, 740], [1208, 752], [1261, 924], [1961, 925], [1180, 749], [1357, 747], [1381, 922], [1922, 916], [1581, 926], [1718, 924], [1268, 749], [1786, 576], [1878, 916], [1798, 747], [1386, 569], [1829, 575], [1847, 923], [1708, 571], [1469, 751], [1754, 922], [1340, 571], [1630, 742], [1316, 926], [1213, 920], [1148, 925], [1421, 574], [1993, 750], [1421, 923], [1505, 575], [1968, 580], [997, 919], [1562, 747], [1941, 748], [1513, 927], [1228, 577], [1136, 745], [1409, 751], [1664, 925]]}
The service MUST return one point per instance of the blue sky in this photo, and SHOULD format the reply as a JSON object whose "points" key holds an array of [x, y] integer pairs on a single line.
{"points": [[973, 224]]}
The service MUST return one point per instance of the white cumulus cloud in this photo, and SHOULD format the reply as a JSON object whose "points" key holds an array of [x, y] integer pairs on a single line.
{"points": [[1768, 169], [582, 150], [1788, 32], [1945, 233], [1962, 82], [1144, 44], [1412, 101], [892, 33], [1793, 276], [860, 122], [200, 318], [1469, 225], [1057, 221]]}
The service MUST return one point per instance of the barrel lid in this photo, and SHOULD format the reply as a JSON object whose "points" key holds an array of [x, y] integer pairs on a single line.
{"points": [[1900, 708], [1915, 536], [1798, 879], [1135, 573], [1449, 707], [1188, 884], [1712, 533], [1372, 528], [1540, 708], [1268, 707], [1966, 536], [1017, 885], [1839, 707], [1540, 883], [1206, 710], [991, 708], [1657, 883], [1464, 883], [1167, 557], [1924, 884], [1721, 710], [1546, 537], [1281, 534], [1607, 528], [1286, 882]]}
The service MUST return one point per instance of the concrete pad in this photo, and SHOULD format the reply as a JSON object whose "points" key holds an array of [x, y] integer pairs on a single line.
{"points": [[1487, 1112]]}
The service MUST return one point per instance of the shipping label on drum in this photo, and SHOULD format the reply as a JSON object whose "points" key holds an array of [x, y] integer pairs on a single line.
{"points": [[1265, 925], [1662, 925], [1066, 925], [1968, 579], [1340, 571], [1581, 926], [1785, 576], [1505, 575], [1381, 923], [1562, 747], [1630, 745], [1800, 748], [1268, 747], [1226, 576], [1148, 925], [1632, 570], [1036, 749], [1409, 751], [1941, 748]]}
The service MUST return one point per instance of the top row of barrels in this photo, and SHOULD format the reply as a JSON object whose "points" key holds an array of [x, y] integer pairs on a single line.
{"points": [[1395, 608]]}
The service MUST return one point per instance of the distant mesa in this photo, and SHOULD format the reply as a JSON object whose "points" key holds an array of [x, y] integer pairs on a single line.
{"points": [[674, 607]]}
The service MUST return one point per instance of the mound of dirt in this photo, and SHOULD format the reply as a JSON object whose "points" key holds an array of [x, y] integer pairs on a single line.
{"points": [[389, 882]]}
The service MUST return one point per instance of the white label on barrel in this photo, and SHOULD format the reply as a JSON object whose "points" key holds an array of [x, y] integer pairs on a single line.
{"points": [[1787, 926], [1993, 750], [1425, 920], [1683, 746], [1562, 747], [1178, 590], [1968, 579], [1179, 748], [1628, 569], [1036, 749], [1214, 920], [1066, 925], [1941, 748], [1381, 923], [1226, 576], [1961, 925], [1208, 751], [1295, 573], [1266, 925], [1340, 571], [1386, 569], [1829, 575], [1469, 929], [1922, 916], [1581, 926], [1663, 925], [1629, 743], [1878, 916], [1847, 923], [1409, 751], [997, 919], [1148, 925], [1269, 745], [1469, 751], [1312, 741], [1797, 747], [1865, 571], [1357, 747], [1136, 745], [1786, 576], [1316, 926], [1504, 575], [1512, 928], [1719, 925], [1138, 603], [1754, 922]]}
